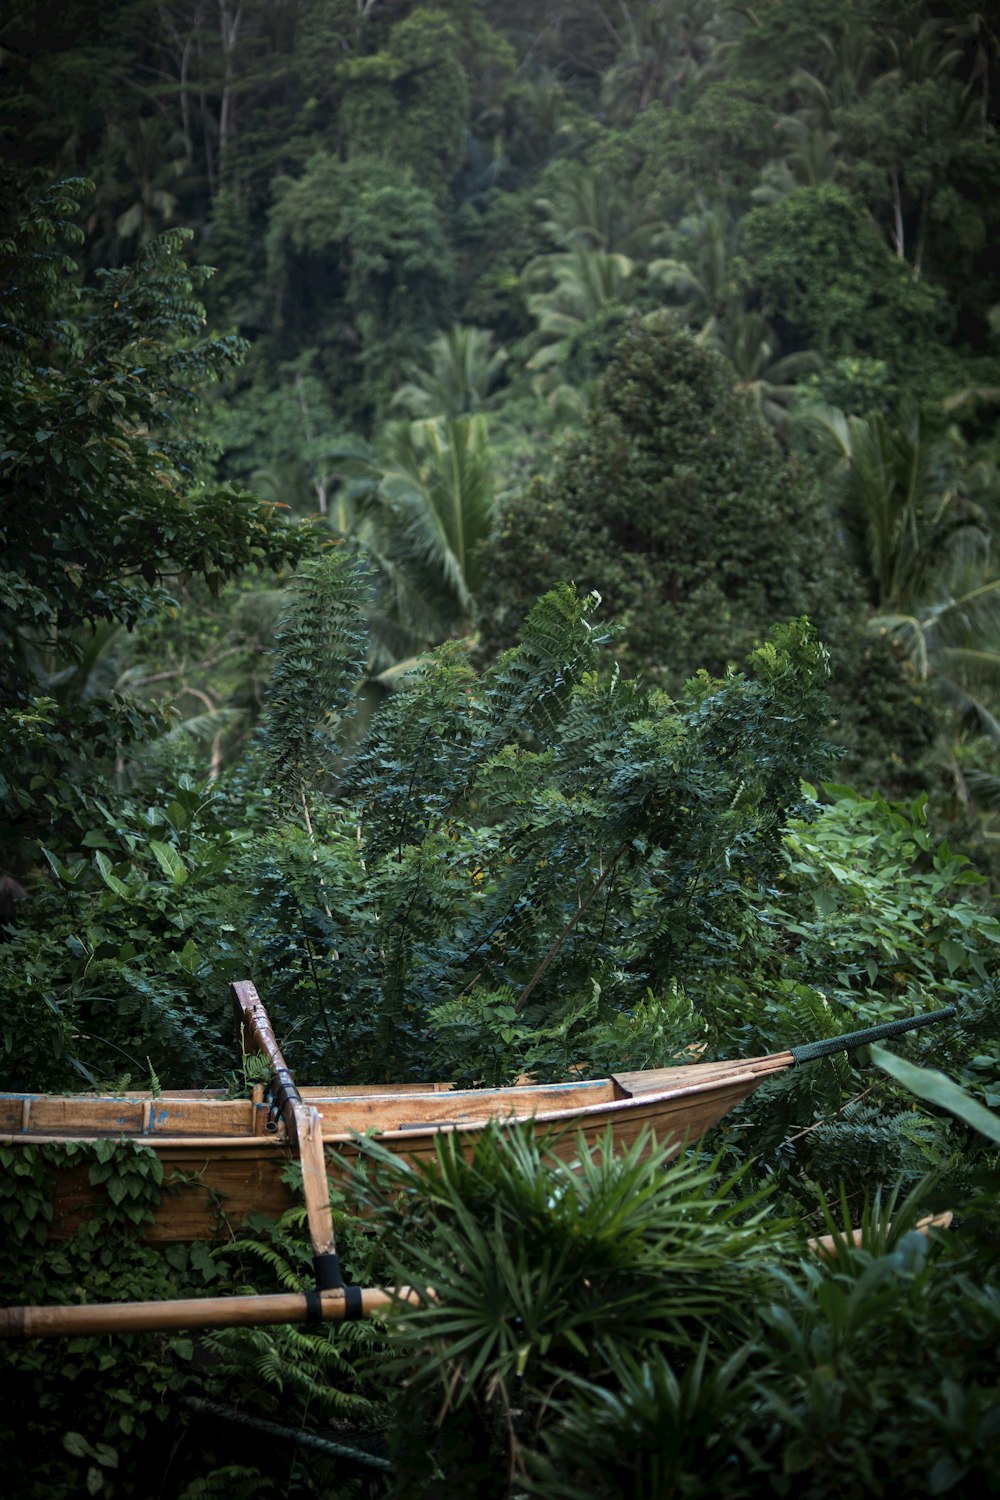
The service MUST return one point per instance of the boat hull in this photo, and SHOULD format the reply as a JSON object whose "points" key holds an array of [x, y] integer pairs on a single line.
{"points": [[212, 1180]]}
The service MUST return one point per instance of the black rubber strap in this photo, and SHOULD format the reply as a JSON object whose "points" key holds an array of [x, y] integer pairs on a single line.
{"points": [[353, 1305], [282, 1096], [329, 1276], [811, 1050]]}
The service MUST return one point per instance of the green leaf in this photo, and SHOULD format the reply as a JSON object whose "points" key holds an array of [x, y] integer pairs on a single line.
{"points": [[954, 954], [936, 1088], [117, 1190], [76, 1444], [110, 879], [169, 861]]}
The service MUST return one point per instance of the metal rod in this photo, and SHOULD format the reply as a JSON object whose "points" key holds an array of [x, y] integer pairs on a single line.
{"points": [[810, 1051], [287, 1434]]}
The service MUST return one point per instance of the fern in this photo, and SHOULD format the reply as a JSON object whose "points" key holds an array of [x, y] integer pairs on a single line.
{"points": [[297, 1370], [868, 1146], [420, 754], [319, 657], [529, 687]]}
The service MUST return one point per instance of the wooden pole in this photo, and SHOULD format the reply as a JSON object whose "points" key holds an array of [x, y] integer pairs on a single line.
{"points": [[315, 1184], [304, 1129], [830, 1245], [198, 1312]]}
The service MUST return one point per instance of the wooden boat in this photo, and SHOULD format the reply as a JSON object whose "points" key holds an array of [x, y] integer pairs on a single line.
{"points": [[224, 1158], [231, 1153]]}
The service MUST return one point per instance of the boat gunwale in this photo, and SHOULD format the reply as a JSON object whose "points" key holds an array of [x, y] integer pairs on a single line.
{"points": [[612, 1108], [413, 1093]]}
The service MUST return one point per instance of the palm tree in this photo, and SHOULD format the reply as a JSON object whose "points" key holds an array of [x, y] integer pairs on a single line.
{"points": [[152, 161], [905, 500], [604, 239], [847, 70], [811, 159], [585, 283], [585, 209], [749, 342], [902, 501], [420, 505], [461, 378], [955, 641], [701, 282], [662, 47], [973, 30]]}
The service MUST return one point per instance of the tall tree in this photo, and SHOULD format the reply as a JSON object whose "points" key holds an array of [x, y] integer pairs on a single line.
{"points": [[677, 506], [107, 495]]}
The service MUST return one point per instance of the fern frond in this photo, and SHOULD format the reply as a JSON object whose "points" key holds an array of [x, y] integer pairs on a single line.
{"points": [[320, 647], [529, 687]]}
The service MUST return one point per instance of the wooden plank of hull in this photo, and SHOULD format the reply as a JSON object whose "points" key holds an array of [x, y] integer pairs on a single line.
{"points": [[665, 1120], [208, 1188], [657, 1080], [210, 1185], [81, 1116]]}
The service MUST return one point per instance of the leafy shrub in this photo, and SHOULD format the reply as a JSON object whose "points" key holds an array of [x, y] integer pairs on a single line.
{"points": [[510, 861], [121, 962], [679, 508], [104, 1415]]}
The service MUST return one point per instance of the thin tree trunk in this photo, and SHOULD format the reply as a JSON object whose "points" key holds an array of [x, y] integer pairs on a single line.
{"points": [[554, 948], [898, 216], [205, 114], [186, 105], [229, 30]]}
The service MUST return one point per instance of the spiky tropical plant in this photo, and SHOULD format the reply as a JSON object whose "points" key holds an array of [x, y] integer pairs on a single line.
{"points": [[533, 1273]]}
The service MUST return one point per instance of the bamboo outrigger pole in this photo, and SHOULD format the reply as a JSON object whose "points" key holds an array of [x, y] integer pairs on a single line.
{"points": [[331, 1302], [197, 1312]]}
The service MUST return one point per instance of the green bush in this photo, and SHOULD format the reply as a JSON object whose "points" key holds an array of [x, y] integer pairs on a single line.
{"points": [[679, 508]]}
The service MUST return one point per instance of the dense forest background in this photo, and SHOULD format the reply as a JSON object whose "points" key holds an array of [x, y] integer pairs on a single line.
{"points": [[499, 509], [431, 225]]}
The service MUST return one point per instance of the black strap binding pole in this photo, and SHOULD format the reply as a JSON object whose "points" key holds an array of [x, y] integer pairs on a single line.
{"points": [[810, 1051]]}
